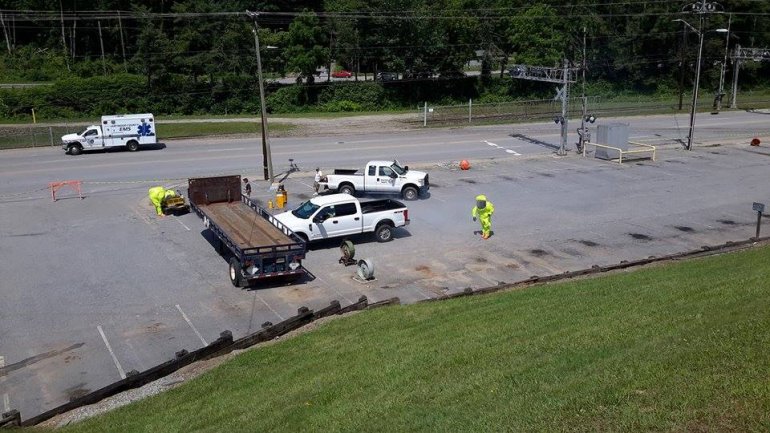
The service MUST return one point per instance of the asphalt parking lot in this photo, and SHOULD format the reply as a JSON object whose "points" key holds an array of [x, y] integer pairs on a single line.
{"points": [[97, 287]]}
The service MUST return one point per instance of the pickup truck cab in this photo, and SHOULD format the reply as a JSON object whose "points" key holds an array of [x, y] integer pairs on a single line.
{"points": [[336, 215], [379, 177]]}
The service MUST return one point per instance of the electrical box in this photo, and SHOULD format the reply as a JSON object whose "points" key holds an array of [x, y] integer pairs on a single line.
{"points": [[613, 134]]}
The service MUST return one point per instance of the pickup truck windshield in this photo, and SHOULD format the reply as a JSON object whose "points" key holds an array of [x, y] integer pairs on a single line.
{"points": [[398, 169], [305, 210]]}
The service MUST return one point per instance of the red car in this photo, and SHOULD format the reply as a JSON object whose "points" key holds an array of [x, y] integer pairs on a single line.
{"points": [[341, 74]]}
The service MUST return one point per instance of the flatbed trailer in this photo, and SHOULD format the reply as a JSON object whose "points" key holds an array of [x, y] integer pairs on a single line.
{"points": [[261, 246]]}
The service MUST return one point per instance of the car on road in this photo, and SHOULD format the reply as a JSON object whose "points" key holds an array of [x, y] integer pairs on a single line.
{"points": [[341, 74], [386, 76], [417, 75], [452, 74]]}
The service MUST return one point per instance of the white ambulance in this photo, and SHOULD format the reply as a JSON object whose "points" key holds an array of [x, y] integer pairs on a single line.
{"points": [[123, 130]]}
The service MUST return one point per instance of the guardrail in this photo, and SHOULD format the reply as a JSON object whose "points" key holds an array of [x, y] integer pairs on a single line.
{"points": [[645, 148], [223, 345]]}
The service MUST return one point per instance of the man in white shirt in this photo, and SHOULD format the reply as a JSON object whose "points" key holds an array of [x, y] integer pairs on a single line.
{"points": [[318, 176]]}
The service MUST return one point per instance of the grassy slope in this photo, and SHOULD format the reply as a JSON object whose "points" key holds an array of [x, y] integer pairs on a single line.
{"points": [[683, 347]]}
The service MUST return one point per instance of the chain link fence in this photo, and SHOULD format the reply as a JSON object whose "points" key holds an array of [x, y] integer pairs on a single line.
{"points": [[547, 109], [34, 136]]}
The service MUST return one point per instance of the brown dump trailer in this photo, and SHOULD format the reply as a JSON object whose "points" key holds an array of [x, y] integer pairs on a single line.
{"points": [[261, 246]]}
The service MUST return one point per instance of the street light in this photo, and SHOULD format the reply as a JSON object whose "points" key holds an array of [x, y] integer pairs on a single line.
{"points": [[267, 160], [688, 146], [701, 8]]}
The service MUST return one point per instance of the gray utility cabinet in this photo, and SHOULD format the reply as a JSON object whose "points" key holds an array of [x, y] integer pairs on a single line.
{"points": [[613, 134]]}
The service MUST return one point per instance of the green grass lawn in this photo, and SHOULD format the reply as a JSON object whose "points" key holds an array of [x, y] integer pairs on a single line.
{"points": [[682, 347]]}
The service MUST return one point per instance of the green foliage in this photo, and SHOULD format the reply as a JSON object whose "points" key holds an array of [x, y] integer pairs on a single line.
{"points": [[307, 45], [537, 37], [31, 63], [365, 96], [287, 99]]}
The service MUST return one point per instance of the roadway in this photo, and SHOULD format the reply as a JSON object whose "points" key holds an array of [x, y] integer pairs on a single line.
{"points": [[97, 287]]}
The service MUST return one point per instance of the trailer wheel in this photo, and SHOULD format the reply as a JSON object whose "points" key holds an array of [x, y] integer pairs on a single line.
{"points": [[132, 146], [347, 189], [74, 149], [384, 232], [235, 273], [410, 193]]}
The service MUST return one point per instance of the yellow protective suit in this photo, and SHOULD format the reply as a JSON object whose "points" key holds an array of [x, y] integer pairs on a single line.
{"points": [[158, 195], [483, 211]]}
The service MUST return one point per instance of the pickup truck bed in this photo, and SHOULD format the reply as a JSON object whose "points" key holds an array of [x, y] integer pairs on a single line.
{"points": [[380, 205], [243, 226]]}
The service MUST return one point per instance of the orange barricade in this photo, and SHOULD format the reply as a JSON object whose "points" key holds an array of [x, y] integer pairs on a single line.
{"points": [[74, 184]]}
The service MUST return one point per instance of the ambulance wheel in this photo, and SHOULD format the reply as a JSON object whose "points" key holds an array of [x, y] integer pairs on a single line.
{"points": [[75, 149], [132, 146]]}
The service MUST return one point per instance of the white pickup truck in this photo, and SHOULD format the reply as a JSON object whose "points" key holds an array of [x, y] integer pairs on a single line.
{"points": [[379, 177], [334, 215]]}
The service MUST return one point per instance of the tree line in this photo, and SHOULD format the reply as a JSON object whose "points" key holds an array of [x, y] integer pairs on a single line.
{"points": [[177, 53]]}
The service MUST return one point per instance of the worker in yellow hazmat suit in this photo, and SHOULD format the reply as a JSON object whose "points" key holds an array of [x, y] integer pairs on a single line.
{"points": [[483, 211], [158, 195]]}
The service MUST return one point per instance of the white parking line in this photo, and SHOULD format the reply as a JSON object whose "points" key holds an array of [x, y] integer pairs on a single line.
{"points": [[6, 399], [268, 306], [226, 150], [180, 222], [112, 354], [503, 148], [191, 325]]}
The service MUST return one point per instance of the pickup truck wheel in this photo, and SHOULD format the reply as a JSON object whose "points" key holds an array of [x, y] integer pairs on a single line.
{"points": [[235, 273], [132, 146], [347, 189], [410, 193], [384, 233], [74, 149]]}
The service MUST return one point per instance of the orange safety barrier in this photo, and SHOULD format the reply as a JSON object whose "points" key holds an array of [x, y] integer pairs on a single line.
{"points": [[74, 184]]}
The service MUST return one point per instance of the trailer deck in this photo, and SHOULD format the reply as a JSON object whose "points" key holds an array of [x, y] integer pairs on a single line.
{"points": [[244, 226]]}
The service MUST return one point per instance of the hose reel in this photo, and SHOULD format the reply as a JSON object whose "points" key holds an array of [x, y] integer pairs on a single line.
{"points": [[348, 251]]}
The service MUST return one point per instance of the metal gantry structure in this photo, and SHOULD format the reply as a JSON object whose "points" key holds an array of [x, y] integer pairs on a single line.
{"points": [[564, 76], [739, 56]]}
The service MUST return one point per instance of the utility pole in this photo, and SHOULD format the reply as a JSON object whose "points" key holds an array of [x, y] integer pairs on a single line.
{"points": [[690, 135], [564, 106], [122, 42], [101, 44], [736, 68], [721, 91], [584, 102], [701, 8], [63, 37], [741, 54], [682, 62], [267, 160]]}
